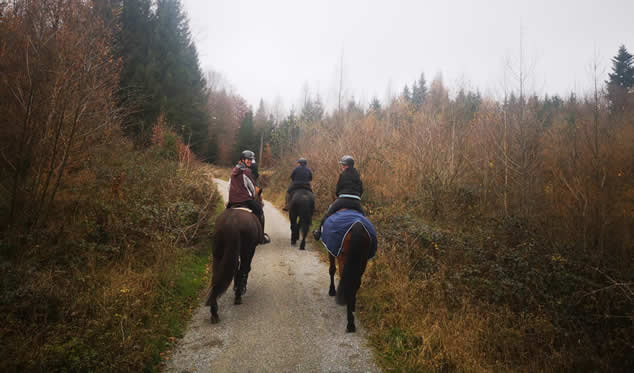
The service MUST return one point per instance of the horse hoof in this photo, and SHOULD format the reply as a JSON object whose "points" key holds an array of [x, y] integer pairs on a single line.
{"points": [[302, 247], [215, 319], [332, 292], [238, 300], [351, 329], [293, 243]]}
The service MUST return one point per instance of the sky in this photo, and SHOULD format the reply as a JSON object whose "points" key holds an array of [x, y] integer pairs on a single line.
{"points": [[277, 50]]}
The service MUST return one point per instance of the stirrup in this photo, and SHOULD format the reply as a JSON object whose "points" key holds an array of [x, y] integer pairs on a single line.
{"points": [[266, 239], [316, 234]]}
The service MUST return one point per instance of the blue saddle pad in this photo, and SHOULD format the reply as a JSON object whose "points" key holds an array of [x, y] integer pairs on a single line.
{"points": [[337, 225]]}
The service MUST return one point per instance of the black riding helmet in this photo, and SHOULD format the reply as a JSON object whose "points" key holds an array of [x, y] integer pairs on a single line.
{"points": [[302, 161], [347, 160], [247, 154]]}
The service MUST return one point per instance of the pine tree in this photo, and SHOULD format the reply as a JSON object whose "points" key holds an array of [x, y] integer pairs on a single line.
{"points": [[182, 95], [312, 110], [134, 46], [247, 140], [419, 91], [621, 81], [406, 94], [161, 73], [375, 106], [623, 68]]}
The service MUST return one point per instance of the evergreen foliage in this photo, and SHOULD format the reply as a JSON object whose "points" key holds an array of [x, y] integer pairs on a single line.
{"points": [[375, 106], [623, 69], [621, 81], [419, 91], [406, 94], [161, 73], [247, 138], [312, 111]]}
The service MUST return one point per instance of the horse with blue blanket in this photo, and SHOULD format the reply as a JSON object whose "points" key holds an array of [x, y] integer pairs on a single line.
{"points": [[351, 241]]}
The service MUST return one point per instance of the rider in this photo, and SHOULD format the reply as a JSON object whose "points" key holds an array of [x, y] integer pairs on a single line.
{"points": [[242, 189], [300, 179], [349, 191]]}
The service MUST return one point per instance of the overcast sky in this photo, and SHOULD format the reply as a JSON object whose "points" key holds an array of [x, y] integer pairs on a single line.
{"points": [[272, 49]]}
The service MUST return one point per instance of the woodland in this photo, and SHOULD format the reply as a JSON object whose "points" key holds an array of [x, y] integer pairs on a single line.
{"points": [[505, 224]]}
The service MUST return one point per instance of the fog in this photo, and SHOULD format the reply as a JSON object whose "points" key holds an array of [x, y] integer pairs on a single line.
{"points": [[280, 49]]}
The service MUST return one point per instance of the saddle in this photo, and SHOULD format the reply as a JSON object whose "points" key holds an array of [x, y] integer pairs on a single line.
{"points": [[244, 207], [240, 206]]}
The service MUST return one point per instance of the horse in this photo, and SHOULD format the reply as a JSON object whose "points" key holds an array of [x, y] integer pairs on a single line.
{"points": [[300, 213], [352, 260], [237, 233]]}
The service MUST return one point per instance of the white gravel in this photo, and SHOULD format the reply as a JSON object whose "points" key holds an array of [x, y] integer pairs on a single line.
{"points": [[286, 323]]}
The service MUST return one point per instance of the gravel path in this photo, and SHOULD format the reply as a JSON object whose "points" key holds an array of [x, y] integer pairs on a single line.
{"points": [[286, 323]]}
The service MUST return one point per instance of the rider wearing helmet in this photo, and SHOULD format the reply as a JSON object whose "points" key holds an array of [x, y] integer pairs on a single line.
{"points": [[349, 191], [242, 189], [300, 179]]}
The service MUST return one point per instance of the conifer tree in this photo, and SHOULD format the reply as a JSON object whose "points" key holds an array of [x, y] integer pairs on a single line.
{"points": [[419, 91], [621, 81], [247, 138], [161, 73], [623, 69], [406, 94], [134, 40]]}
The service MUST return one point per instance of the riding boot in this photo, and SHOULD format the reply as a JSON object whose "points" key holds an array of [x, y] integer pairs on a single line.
{"points": [[265, 237], [317, 234]]}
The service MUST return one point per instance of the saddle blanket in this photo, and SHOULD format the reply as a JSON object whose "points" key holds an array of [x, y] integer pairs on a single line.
{"points": [[337, 226]]}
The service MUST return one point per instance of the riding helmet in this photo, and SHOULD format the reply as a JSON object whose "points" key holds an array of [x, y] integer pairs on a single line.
{"points": [[247, 154], [302, 161], [347, 160]]}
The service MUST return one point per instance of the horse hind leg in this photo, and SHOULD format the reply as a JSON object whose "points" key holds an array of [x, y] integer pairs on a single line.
{"points": [[294, 228], [332, 271], [242, 275], [238, 288], [350, 328], [212, 302], [305, 225]]}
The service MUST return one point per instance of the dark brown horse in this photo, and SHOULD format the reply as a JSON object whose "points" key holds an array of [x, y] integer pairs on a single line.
{"points": [[352, 261], [300, 213], [237, 233]]}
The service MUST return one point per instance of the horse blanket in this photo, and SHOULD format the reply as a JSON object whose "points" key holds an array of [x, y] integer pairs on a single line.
{"points": [[337, 226]]}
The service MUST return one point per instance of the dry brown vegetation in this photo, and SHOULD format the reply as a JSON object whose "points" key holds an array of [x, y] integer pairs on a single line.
{"points": [[103, 248], [505, 229]]}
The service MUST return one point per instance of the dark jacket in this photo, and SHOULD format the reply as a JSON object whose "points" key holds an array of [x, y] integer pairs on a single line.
{"points": [[241, 184], [254, 172], [349, 182], [301, 175]]}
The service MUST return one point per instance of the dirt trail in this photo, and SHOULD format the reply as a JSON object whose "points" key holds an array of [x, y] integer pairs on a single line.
{"points": [[287, 322]]}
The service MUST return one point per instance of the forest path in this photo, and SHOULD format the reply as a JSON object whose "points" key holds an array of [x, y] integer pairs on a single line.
{"points": [[286, 323]]}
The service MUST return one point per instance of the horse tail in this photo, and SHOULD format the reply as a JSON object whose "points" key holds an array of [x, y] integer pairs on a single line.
{"points": [[225, 260], [354, 265]]}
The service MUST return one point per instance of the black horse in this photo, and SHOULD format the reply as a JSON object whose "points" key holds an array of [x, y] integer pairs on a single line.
{"points": [[352, 261], [300, 214], [237, 233]]}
